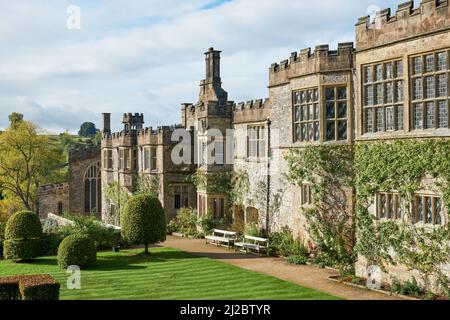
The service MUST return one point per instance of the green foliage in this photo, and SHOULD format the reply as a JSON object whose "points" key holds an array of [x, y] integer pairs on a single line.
{"points": [[103, 236], [22, 236], [115, 195], [144, 220], [14, 119], [78, 250], [240, 187], [50, 243], [284, 244], [148, 184], [23, 225], [401, 166], [328, 169], [185, 222], [22, 250], [409, 288], [87, 129], [27, 161], [2, 237], [298, 260], [217, 182], [208, 223]]}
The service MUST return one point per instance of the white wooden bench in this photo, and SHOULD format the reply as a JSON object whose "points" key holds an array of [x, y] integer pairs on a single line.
{"points": [[221, 237], [250, 243]]}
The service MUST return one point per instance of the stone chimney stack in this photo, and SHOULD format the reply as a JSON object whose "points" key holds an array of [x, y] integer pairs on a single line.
{"points": [[106, 123], [212, 60]]}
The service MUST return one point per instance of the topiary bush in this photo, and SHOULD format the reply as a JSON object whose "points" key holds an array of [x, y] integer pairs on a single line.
{"points": [[29, 287], [78, 250], [22, 250], [39, 287], [144, 220], [22, 236], [23, 225]]}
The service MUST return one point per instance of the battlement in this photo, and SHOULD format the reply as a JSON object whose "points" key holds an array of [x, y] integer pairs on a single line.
{"points": [[251, 104], [161, 134], [133, 118], [84, 153], [408, 22], [251, 111], [53, 188], [306, 62]]}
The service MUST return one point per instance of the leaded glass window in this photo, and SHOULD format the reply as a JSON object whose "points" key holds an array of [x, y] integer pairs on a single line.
{"points": [[430, 90], [306, 116], [336, 108], [382, 91]]}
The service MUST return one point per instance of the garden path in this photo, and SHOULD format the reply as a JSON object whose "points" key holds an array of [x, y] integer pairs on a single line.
{"points": [[308, 276]]}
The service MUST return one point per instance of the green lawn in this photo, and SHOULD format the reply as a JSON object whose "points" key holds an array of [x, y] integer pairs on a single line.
{"points": [[166, 274]]}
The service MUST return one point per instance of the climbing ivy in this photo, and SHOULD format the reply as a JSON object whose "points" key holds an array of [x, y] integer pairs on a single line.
{"points": [[401, 166], [328, 169]]}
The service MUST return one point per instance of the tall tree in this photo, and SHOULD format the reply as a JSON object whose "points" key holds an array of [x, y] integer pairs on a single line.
{"points": [[87, 129], [15, 118], [26, 161]]}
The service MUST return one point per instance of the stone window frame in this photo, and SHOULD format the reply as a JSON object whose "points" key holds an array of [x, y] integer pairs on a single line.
{"points": [[371, 107], [149, 158], [108, 162], [390, 208], [336, 119], [302, 120], [182, 190], [258, 141], [128, 157], [60, 208], [426, 109], [92, 173], [306, 195], [421, 216]]}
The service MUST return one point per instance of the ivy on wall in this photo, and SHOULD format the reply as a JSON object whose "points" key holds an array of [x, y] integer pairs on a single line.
{"points": [[401, 166], [328, 170]]}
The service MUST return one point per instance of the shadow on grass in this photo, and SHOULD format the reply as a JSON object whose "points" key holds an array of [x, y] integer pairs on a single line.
{"points": [[127, 260], [230, 255]]}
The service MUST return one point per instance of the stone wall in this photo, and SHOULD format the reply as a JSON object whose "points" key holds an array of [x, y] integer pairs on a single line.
{"points": [[51, 197], [79, 162]]}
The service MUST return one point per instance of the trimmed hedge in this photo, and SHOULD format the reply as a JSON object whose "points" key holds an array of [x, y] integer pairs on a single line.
{"points": [[144, 220], [9, 288], [22, 250], [78, 250], [39, 287], [29, 287], [23, 225]]}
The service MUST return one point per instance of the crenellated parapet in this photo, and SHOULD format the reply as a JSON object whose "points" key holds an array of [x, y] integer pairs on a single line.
{"points": [[307, 62], [50, 189], [84, 153], [408, 22], [149, 135], [251, 111]]}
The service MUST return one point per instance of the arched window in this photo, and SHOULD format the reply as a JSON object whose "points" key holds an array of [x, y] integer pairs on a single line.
{"points": [[92, 189]]}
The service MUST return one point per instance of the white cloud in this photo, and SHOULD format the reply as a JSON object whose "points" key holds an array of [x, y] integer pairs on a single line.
{"points": [[147, 56]]}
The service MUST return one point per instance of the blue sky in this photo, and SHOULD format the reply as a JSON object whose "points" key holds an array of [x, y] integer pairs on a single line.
{"points": [[147, 56]]}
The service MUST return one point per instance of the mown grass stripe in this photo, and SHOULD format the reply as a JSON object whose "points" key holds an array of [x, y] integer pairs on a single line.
{"points": [[165, 274]]}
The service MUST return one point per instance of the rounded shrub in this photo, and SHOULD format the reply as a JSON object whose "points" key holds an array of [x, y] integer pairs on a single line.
{"points": [[144, 220], [22, 236], [23, 225], [78, 250], [21, 249]]}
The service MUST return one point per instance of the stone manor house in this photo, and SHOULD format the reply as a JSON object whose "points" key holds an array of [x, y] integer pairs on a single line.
{"points": [[392, 84]]}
